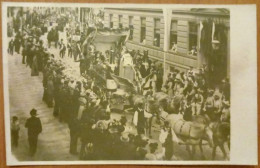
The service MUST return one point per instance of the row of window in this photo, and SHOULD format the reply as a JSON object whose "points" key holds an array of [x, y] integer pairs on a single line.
{"points": [[120, 24], [156, 41], [193, 35]]}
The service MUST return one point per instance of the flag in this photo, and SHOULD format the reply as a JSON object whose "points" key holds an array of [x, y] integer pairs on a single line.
{"points": [[124, 83], [201, 27], [147, 80], [213, 30]]}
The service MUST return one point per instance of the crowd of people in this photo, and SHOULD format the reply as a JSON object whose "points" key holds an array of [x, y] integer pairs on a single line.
{"points": [[85, 104]]}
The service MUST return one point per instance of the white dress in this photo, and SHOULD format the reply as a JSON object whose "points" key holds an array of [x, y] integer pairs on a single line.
{"points": [[126, 70]]}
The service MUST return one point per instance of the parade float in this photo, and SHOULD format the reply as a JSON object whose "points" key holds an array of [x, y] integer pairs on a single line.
{"points": [[105, 42], [118, 85]]}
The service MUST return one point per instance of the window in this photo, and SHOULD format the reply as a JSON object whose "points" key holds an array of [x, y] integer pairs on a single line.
{"points": [[173, 35], [111, 21], [120, 21], [193, 38], [131, 28], [143, 30], [156, 40]]}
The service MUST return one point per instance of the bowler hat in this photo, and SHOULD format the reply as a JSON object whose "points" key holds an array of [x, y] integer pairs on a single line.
{"points": [[33, 112], [124, 137]]}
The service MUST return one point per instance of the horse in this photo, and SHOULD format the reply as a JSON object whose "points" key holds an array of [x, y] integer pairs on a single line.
{"points": [[221, 135], [190, 133], [154, 103]]}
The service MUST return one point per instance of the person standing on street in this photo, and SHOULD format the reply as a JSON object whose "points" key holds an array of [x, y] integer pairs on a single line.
{"points": [[62, 49], [15, 131], [17, 43], [74, 127], [69, 46], [11, 47], [34, 126], [140, 124]]}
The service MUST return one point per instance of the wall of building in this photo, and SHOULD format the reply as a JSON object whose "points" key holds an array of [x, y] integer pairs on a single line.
{"points": [[180, 60]]}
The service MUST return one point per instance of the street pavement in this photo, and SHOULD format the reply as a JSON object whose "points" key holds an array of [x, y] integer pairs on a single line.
{"points": [[26, 93]]}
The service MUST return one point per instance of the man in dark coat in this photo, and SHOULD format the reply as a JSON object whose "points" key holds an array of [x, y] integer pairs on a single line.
{"points": [[86, 132], [11, 47], [40, 56], [50, 91], [34, 126], [57, 89], [126, 150], [159, 74], [65, 101], [75, 100], [30, 54], [50, 37], [141, 119], [74, 127], [17, 43]]}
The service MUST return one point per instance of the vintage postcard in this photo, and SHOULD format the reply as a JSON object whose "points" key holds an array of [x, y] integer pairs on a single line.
{"points": [[129, 83]]}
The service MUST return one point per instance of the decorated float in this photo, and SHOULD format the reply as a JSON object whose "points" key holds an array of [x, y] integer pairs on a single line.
{"points": [[120, 84], [105, 42]]}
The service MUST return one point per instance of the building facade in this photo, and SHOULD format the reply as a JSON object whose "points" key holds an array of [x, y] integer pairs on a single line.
{"points": [[146, 29], [175, 37]]}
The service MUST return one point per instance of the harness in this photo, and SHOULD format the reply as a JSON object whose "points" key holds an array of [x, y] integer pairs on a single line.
{"points": [[182, 134]]}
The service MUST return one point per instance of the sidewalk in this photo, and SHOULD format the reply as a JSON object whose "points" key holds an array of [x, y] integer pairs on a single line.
{"points": [[26, 93]]}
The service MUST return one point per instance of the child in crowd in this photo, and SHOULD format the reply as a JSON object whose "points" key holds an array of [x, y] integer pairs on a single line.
{"points": [[11, 47], [15, 131]]}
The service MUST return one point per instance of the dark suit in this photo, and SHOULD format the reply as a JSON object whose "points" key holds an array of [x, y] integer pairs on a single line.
{"points": [[86, 132], [74, 127], [17, 43], [65, 101], [144, 72], [140, 122], [126, 151], [34, 126]]}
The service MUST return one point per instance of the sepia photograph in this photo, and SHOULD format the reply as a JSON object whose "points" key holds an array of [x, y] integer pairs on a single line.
{"points": [[106, 83]]}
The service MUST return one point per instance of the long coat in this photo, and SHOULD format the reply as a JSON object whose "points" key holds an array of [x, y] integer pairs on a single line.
{"points": [[35, 69], [34, 126]]}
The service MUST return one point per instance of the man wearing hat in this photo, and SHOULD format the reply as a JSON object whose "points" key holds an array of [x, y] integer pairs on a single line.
{"points": [[140, 119], [34, 126], [62, 49], [125, 150], [64, 101]]}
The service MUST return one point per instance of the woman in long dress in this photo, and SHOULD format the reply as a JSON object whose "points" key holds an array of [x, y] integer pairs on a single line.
{"points": [[126, 67], [35, 68]]}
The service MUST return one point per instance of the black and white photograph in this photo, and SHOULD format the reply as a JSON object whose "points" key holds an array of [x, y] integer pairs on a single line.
{"points": [[90, 84]]}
